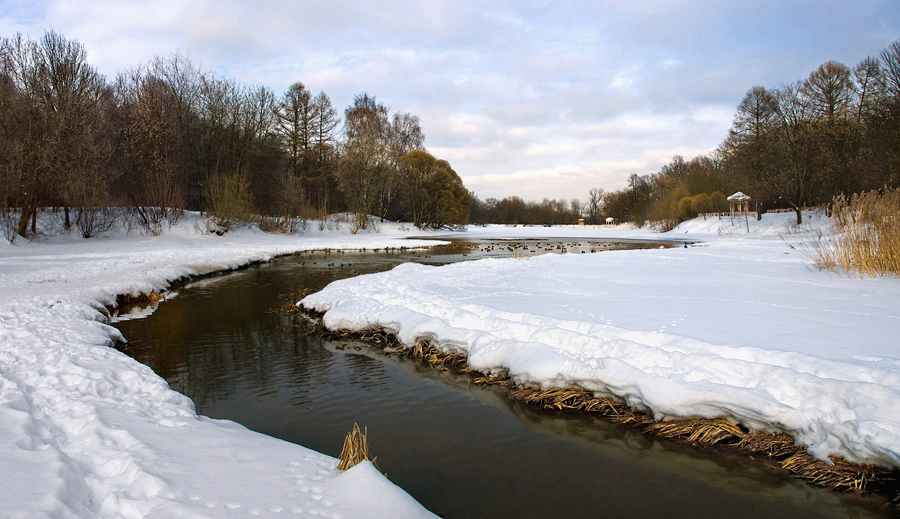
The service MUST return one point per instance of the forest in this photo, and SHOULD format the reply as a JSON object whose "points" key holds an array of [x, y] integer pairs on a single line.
{"points": [[790, 147], [167, 136]]}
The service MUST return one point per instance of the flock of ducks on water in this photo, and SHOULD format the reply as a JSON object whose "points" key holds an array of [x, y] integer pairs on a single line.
{"points": [[491, 249]]}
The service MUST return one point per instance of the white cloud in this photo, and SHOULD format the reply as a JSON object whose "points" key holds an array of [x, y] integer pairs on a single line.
{"points": [[523, 99]]}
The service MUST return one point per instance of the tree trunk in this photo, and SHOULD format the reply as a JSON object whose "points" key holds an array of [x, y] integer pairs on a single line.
{"points": [[28, 211]]}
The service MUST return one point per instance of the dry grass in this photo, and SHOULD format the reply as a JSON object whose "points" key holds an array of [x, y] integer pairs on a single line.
{"points": [[356, 449], [139, 299], [840, 475], [704, 431], [865, 238], [777, 445]]}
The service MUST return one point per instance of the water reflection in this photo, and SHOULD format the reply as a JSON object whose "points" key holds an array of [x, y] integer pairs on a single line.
{"points": [[461, 450]]}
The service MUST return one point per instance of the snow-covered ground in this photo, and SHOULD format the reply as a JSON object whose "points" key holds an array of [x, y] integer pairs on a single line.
{"points": [[87, 432], [739, 326]]}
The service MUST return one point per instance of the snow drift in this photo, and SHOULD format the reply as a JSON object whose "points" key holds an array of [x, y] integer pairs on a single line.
{"points": [[739, 327]]}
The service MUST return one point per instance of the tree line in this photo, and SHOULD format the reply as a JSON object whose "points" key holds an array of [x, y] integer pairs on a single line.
{"points": [[167, 136], [794, 146], [514, 210]]}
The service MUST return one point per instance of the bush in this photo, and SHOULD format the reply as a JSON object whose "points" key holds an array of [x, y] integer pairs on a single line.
{"points": [[281, 224], [865, 235], [228, 201], [92, 221], [150, 219]]}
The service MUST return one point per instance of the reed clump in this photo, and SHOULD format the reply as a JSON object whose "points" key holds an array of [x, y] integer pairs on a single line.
{"points": [[779, 450], [356, 449], [703, 431], [865, 235]]}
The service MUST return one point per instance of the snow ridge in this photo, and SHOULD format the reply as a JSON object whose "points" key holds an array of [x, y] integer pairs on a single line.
{"points": [[738, 328]]}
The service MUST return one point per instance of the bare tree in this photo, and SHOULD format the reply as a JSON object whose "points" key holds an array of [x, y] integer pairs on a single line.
{"points": [[405, 135], [153, 141], [296, 125], [325, 150], [890, 110], [867, 75], [749, 141], [594, 205], [890, 67], [829, 91], [57, 96], [366, 154], [69, 92], [790, 175]]}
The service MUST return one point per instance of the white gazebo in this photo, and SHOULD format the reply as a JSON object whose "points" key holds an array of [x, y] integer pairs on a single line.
{"points": [[741, 201]]}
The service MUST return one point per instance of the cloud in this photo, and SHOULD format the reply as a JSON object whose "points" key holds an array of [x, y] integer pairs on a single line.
{"points": [[571, 180], [523, 98]]}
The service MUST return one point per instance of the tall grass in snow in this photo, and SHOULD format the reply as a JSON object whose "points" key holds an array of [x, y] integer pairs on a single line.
{"points": [[865, 239], [356, 449]]}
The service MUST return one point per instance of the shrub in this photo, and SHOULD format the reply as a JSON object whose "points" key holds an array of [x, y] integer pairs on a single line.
{"points": [[150, 219], [228, 201], [92, 221]]}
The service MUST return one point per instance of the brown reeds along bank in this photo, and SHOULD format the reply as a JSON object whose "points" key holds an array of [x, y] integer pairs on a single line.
{"points": [[777, 450], [356, 449], [865, 235]]}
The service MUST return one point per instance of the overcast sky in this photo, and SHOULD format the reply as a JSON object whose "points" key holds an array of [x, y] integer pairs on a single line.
{"points": [[526, 98]]}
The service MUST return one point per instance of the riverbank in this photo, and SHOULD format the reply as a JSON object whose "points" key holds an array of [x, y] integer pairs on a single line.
{"points": [[89, 432], [738, 328]]}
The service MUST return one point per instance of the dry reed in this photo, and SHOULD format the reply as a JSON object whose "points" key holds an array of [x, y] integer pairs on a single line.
{"points": [[356, 449], [865, 236], [703, 431]]}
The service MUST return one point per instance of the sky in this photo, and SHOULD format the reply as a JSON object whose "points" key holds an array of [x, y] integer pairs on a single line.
{"points": [[526, 98]]}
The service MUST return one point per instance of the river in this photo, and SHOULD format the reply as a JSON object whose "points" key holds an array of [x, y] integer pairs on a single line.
{"points": [[460, 449]]}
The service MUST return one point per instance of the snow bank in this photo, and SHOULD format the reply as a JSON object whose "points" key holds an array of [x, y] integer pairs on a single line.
{"points": [[737, 327], [89, 432]]}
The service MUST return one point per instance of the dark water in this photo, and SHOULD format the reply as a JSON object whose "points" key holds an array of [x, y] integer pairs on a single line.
{"points": [[459, 449]]}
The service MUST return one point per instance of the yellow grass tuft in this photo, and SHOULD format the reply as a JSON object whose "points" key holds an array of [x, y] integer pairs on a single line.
{"points": [[705, 431], [839, 475], [356, 449], [865, 237]]}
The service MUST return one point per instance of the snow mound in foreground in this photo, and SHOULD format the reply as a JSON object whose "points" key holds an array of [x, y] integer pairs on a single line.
{"points": [[740, 329]]}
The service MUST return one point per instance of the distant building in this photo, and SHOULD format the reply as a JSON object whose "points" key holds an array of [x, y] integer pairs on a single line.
{"points": [[740, 202], [610, 221]]}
